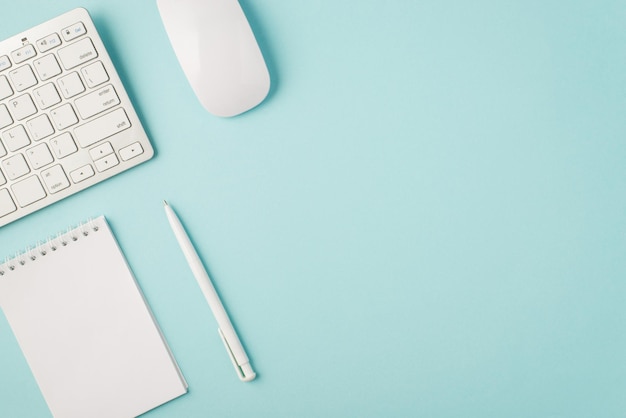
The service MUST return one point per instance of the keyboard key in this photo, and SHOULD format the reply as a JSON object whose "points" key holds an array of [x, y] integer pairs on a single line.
{"points": [[77, 53], [101, 151], [95, 74], [16, 138], [6, 203], [106, 163], [46, 96], [63, 117], [82, 173], [40, 127], [5, 117], [74, 31], [23, 53], [22, 106], [23, 77], [101, 128], [63, 145], [131, 151], [4, 63], [28, 191], [47, 67], [71, 85], [97, 102], [5, 88], [3, 180], [49, 42], [15, 167], [39, 156], [3, 152], [55, 179]]}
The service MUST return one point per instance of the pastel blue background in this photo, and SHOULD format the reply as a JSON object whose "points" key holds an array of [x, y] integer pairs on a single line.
{"points": [[426, 218]]}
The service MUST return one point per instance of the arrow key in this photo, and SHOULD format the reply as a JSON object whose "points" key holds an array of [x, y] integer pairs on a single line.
{"points": [[82, 173], [107, 162]]}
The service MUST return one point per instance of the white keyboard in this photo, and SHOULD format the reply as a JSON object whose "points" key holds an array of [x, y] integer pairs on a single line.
{"points": [[66, 122]]}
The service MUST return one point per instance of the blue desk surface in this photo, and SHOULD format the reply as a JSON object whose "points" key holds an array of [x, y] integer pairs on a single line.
{"points": [[427, 217]]}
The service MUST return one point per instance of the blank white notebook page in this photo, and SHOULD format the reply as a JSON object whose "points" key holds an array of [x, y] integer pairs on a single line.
{"points": [[85, 329]]}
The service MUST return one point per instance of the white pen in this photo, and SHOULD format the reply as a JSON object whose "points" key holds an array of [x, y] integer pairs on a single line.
{"points": [[227, 332]]}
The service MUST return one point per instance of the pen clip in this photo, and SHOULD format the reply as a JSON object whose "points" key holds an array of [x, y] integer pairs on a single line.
{"points": [[239, 369]]}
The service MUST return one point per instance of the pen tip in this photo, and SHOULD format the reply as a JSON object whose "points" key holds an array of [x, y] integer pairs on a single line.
{"points": [[165, 203]]}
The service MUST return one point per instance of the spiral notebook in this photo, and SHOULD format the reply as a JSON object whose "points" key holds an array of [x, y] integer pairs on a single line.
{"points": [[85, 329]]}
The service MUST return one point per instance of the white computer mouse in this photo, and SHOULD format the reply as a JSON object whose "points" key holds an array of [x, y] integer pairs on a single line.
{"points": [[218, 52]]}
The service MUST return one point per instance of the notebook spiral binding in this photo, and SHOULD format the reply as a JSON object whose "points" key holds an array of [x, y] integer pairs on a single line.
{"points": [[62, 239]]}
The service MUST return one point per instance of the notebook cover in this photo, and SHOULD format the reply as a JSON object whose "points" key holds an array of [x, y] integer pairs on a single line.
{"points": [[85, 329]]}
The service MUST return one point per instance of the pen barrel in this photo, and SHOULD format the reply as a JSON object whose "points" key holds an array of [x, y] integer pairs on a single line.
{"points": [[208, 290], [222, 318]]}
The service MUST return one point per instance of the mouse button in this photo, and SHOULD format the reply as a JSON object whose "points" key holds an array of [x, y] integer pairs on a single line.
{"points": [[183, 30]]}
